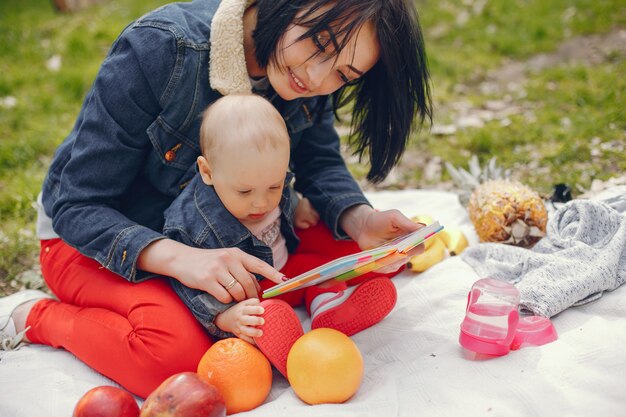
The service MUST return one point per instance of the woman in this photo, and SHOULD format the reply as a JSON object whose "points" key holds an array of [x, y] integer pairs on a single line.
{"points": [[134, 146]]}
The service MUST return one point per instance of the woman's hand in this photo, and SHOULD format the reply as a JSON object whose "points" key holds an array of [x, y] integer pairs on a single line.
{"points": [[370, 228], [227, 274], [241, 320]]}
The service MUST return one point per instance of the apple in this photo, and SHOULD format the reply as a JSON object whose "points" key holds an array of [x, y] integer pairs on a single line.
{"points": [[184, 395], [106, 401]]}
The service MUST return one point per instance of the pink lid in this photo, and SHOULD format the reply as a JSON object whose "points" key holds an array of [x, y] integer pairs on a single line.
{"points": [[533, 330]]}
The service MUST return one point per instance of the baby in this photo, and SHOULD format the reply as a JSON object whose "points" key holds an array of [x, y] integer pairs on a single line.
{"points": [[240, 198]]}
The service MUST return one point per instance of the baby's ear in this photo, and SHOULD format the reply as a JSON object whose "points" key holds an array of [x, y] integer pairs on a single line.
{"points": [[205, 170]]}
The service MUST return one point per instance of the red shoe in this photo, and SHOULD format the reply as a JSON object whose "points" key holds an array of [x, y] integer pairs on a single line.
{"points": [[356, 308], [281, 330]]}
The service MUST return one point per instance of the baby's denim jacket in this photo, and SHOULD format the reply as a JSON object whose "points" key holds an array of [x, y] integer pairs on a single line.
{"points": [[198, 218]]}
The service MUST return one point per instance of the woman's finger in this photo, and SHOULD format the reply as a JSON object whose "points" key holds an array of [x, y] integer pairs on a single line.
{"points": [[237, 291], [256, 283], [404, 223], [232, 286], [255, 265], [218, 291], [246, 281]]}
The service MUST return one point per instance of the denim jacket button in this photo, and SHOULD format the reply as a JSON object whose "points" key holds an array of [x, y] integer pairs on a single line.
{"points": [[170, 156]]}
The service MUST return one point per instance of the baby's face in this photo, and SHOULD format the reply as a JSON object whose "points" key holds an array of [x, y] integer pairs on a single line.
{"points": [[250, 183]]}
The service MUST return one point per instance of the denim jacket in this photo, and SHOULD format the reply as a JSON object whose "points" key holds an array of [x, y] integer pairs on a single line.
{"points": [[135, 142], [198, 218]]}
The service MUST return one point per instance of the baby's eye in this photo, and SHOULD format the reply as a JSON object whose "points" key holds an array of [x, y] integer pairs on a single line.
{"points": [[244, 192]]}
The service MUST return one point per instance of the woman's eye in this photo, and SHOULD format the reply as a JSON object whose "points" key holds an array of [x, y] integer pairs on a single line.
{"points": [[321, 41], [343, 77], [345, 80]]}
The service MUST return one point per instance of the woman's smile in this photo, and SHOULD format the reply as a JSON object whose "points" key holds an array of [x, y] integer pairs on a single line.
{"points": [[296, 84]]}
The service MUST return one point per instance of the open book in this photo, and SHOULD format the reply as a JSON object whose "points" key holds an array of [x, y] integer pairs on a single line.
{"points": [[352, 266]]}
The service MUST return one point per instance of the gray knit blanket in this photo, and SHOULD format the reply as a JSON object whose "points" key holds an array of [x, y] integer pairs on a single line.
{"points": [[582, 255]]}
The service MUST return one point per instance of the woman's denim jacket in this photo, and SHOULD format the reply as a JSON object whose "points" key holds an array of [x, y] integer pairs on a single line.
{"points": [[135, 142], [198, 218]]}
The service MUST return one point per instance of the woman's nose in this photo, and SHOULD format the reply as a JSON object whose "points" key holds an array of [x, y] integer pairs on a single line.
{"points": [[318, 70]]}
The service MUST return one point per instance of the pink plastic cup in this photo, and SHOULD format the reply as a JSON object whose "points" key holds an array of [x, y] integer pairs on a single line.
{"points": [[491, 317]]}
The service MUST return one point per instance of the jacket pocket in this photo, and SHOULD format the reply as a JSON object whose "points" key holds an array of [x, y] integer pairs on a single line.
{"points": [[171, 161]]}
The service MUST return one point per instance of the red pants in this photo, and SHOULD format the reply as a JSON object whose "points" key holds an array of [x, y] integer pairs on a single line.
{"points": [[140, 334]]}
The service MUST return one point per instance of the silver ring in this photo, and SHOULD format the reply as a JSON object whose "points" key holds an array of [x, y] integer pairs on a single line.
{"points": [[231, 284]]}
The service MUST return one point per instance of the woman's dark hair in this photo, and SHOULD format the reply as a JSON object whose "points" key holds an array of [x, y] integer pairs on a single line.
{"points": [[386, 98]]}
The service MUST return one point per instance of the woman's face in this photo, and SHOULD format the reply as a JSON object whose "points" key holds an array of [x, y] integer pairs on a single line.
{"points": [[305, 74]]}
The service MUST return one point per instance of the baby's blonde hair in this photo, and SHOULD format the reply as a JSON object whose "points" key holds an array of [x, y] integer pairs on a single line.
{"points": [[241, 120]]}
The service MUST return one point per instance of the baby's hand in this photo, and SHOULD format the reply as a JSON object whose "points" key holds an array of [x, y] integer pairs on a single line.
{"points": [[305, 216], [241, 319]]}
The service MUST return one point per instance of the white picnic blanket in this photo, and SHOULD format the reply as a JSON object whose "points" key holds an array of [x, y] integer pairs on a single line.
{"points": [[414, 365]]}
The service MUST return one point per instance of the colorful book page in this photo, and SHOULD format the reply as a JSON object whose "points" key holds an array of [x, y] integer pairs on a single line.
{"points": [[352, 266]]}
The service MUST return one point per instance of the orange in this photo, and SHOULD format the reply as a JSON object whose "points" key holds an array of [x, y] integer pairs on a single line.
{"points": [[239, 370], [324, 366]]}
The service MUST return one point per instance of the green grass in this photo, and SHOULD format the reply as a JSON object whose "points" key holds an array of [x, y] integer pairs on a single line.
{"points": [[47, 103], [579, 124], [463, 48], [570, 131]]}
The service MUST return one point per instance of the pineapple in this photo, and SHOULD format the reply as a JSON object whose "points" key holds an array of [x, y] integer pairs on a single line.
{"points": [[501, 210]]}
